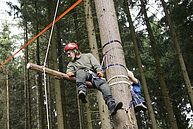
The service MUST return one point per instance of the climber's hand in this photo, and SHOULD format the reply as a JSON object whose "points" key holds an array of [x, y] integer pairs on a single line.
{"points": [[100, 74], [70, 74]]}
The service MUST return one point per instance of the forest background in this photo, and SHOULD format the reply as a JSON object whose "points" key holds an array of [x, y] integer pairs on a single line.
{"points": [[22, 92]]}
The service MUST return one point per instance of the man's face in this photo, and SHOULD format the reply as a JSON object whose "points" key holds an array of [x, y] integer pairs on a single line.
{"points": [[71, 54]]}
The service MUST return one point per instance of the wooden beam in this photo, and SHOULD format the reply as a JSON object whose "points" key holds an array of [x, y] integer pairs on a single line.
{"points": [[54, 73]]}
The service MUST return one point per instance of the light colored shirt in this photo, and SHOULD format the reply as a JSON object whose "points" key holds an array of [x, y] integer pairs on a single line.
{"points": [[85, 61]]}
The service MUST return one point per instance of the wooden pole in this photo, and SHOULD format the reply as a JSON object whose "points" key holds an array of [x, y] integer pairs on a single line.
{"points": [[113, 52], [54, 73]]}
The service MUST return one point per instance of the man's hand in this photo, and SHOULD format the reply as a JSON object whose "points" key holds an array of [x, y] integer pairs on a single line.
{"points": [[100, 74], [70, 74]]}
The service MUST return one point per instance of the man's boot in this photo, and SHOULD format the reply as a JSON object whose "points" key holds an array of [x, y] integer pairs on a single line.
{"points": [[114, 107], [140, 107], [82, 96]]}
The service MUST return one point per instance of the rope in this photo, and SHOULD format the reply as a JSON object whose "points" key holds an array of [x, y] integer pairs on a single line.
{"points": [[119, 82], [40, 33], [131, 120], [128, 112], [45, 60], [119, 76]]}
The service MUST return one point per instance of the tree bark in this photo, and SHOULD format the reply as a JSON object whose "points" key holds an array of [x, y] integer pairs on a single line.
{"points": [[61, 69], [162, 82], [178, 51], [40, 111], [112, 48], [27, 84], [54, 65], [103, 110], [139, 63], [7, 85]]}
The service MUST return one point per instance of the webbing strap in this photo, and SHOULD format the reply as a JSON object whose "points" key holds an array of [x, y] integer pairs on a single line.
{"points": [[110, 65], [112, 41]]}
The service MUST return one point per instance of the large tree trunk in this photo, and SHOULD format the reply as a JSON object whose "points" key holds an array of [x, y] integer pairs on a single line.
{"points": [[103, 110], [139, 63], [164, 88], [111, 42], [54, 65], [178, 51]]}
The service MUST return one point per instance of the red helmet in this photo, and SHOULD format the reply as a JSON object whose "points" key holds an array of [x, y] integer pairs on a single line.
{"points": [[71, 46]]}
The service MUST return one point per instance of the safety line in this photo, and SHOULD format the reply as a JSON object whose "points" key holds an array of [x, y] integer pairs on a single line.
{"points": [[45, 60], [40, 33]]}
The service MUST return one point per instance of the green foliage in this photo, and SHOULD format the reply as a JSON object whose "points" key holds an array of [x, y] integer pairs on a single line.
{"points": [[14, 72], [6, 45], [72, 28]]}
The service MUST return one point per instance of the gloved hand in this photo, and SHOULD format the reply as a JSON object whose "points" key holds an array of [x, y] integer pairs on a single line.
{"points": [[100, 74], [70, 74]]}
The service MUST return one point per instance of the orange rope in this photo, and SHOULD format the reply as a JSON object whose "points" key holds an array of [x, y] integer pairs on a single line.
{"points": [[40, 33]]}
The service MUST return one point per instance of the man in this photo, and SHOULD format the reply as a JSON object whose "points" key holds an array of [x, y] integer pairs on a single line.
{"points": [[138, 100], [85, 67]]}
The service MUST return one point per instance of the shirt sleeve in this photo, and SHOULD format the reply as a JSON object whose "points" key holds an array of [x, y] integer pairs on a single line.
{"points": [[136, 87], [94, 62], [70, 68]]}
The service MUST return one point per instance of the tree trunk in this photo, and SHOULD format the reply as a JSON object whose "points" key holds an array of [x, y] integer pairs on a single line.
{"points": [[7, 85], [89, 117], [61, 69], [178, 51], [40, 101], [112, 48], [4, 100], [103, 110], [27, 86], [139, 63], [54, 65], [77, 35], [164, 88]]}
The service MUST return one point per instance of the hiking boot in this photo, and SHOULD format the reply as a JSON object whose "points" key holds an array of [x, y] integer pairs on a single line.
{"points": [[82, 96], [140, 107], [116, 107]]}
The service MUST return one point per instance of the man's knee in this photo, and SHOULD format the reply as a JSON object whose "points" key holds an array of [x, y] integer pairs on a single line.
{"points": [[80, 76], [80, 72], [105, 89]]}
